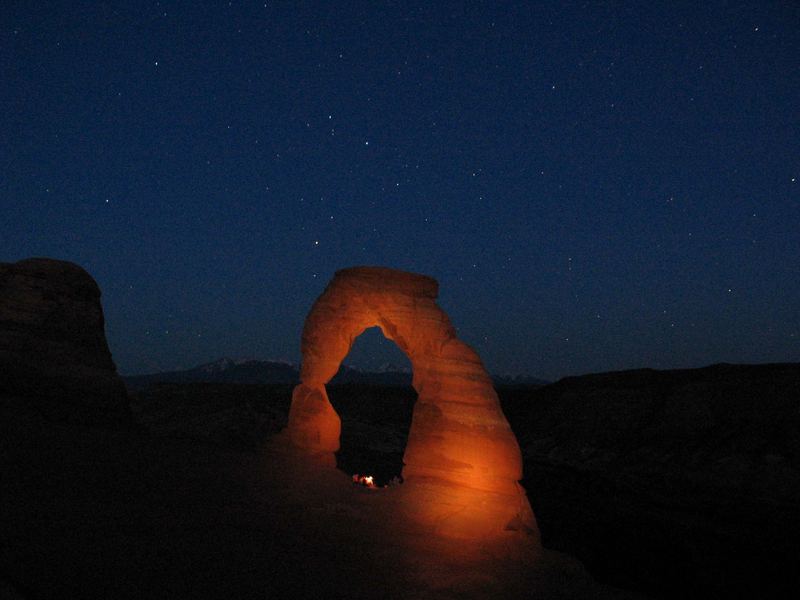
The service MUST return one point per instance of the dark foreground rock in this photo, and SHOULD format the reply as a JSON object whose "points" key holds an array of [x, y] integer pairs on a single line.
{"points": [[670, 482], [53, 349], [676, 484], [89, 512]]}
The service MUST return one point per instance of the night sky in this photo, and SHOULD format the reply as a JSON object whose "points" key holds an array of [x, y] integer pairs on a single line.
{"points": [[594, 186]]}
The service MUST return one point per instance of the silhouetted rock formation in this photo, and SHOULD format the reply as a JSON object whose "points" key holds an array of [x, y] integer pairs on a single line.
{"points": [[670, 480], [53, 349], [460, 448]]}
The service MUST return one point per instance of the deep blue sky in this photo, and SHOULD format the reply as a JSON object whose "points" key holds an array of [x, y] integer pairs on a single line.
{"points": [[594, 186]]}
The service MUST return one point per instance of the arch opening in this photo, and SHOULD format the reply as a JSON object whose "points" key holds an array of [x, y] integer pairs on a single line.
{"points": [[375, 405]]}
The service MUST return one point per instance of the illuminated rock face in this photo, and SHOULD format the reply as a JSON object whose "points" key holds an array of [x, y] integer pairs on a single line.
{"points": [[462, 459]]}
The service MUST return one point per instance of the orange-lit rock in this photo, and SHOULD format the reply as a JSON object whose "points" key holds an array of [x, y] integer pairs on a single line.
{"points": [[462, 461]]}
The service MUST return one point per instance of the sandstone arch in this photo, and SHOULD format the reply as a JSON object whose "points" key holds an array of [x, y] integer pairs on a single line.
{"points": [[461, 454]]}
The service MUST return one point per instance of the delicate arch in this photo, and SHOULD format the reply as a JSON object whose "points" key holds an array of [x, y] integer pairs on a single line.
{"points": [[458, 433]]}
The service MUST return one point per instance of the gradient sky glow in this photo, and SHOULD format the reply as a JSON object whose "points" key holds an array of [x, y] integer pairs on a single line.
{"points": [[595, 186]]}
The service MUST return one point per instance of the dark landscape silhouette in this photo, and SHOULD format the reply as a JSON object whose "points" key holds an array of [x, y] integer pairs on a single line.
{"points": [[643, 483]]}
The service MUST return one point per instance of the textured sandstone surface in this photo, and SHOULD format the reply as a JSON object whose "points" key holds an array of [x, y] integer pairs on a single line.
{"points": [[462, 460], [53, 349]]}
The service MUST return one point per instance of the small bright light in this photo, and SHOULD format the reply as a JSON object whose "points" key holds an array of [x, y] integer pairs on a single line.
{"points": [[365, 480]]}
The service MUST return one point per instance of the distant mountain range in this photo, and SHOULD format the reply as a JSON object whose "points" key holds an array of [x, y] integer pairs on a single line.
{"points": [[228, 370]]}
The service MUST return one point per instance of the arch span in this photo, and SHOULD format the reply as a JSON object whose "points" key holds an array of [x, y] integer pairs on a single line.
{"points": [[459, 439]]}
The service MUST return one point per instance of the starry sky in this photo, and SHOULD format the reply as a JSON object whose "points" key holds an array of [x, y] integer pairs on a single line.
{"points": [[595, 186]]}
